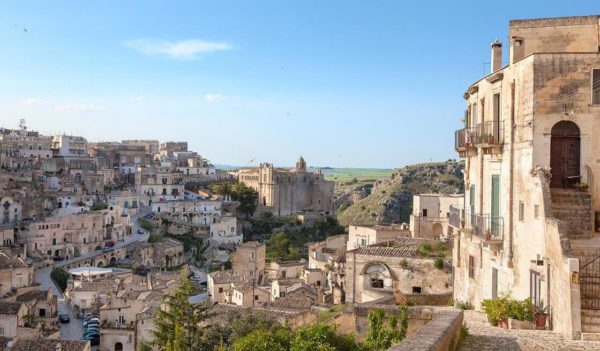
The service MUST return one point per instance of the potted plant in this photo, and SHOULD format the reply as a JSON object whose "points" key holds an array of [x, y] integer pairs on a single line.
{"points": [[497, 311], [540, 314], [521, 314]]}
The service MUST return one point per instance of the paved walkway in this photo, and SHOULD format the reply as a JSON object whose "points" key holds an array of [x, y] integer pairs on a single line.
{"points": [[483, 337]]}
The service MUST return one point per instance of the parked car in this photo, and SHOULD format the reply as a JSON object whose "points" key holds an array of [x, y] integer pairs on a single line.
{"points": [[107, 249], [64, 318], [140, 231], [109, 243]]}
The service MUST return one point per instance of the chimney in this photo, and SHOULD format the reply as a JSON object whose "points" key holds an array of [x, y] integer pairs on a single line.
{"points": [[496, 56], [517, 49]]}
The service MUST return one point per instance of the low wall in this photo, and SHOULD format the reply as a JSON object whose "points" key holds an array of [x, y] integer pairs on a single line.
{"points": [[428, 299], [442, 333]]}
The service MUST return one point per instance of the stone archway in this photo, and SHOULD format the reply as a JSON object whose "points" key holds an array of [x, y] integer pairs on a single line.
{"points": [[565, 154], [113, 260], [118, 346], [100, 264]]}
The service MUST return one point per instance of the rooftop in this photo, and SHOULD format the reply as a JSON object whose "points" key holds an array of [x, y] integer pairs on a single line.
{"points": [[49, 345], [9, 308]]}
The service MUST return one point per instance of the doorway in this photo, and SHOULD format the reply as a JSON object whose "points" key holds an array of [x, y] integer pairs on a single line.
{"points": [[564, 154]]}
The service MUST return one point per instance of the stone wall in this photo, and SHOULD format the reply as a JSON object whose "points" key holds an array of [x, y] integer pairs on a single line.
{"points": [[440, 334]]}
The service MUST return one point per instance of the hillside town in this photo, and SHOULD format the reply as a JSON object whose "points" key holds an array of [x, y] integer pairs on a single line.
{"points": [[138, 245]]}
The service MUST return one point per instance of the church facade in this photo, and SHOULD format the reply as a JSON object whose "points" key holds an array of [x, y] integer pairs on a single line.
{"points": [[285, 191]]}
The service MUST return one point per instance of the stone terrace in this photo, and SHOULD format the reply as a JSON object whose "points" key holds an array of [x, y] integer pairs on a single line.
{"points": [[483, 337]]}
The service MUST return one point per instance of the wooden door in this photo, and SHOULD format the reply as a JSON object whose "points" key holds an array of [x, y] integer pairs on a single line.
{"points": [[564, 154]]}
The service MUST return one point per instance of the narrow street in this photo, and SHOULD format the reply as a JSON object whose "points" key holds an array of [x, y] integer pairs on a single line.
{"points": [[74, 329]]}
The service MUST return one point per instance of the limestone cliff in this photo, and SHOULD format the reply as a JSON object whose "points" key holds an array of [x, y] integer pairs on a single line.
{"points": [[390, 200]]}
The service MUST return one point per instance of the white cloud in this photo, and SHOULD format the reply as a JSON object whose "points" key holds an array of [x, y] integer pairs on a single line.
{"points": [[34, 102], [183, 49], [80, 107], [210, 98]]}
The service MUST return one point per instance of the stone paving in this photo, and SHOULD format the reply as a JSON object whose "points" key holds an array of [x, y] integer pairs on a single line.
{"points": [[483, 337]]}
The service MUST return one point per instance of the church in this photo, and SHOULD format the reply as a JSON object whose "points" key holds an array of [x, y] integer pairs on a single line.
{"points": [[287, 191]]}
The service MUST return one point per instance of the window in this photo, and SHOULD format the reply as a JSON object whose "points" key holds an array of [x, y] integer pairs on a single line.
{"points": [[377, 283], [255, 297], [282, 294], [521, 211], [220, 290], [596, 86], [283, 274], [424, 212], [416, 289], [535, 286], [1, 331], [471, 267]]}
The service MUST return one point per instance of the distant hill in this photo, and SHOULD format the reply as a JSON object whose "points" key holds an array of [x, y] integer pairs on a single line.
{"points": [[390, 198]]}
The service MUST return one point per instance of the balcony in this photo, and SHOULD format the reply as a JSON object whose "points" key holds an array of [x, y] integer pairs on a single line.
{"points": [[485, 135], [488, 228]]}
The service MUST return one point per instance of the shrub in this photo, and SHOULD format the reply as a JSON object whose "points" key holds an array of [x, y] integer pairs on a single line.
{"points": [[438, 263], [464, 305], [521, 310], [404, 264], [497, 309]]}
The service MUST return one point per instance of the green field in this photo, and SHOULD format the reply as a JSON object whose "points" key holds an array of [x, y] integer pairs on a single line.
{"points": [[361, 174]]}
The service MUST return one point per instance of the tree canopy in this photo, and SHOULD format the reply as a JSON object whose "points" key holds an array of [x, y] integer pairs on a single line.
{"points": [[177, 326]]}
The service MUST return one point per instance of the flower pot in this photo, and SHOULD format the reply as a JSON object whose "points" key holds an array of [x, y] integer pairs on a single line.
{"points": [[540, 320], [503, 323]]}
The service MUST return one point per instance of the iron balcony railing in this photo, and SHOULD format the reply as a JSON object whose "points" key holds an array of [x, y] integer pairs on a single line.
{"points": [[483, 225], [484, 134]]}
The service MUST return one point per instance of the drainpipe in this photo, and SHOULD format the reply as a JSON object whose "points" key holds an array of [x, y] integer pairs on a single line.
{"points": [[511, 175]]}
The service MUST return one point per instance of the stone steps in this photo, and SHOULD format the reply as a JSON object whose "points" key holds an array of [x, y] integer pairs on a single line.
{"points": [[590, 336], [574, 208], [590, 322]]}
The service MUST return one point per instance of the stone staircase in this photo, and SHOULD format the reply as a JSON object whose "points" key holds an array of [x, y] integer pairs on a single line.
{"points": [[590, 325], [574, 208]]}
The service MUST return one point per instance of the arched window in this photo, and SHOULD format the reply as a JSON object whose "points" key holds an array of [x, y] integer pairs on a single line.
{"points": [[118, 347]]}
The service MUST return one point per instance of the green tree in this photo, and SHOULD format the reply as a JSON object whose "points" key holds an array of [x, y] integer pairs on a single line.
{"points": [[177, 326], [246, 196], [264, 340], [381, 337], [60, 276]]}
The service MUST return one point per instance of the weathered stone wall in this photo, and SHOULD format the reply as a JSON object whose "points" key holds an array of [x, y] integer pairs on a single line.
{"points": [[442, 333]]}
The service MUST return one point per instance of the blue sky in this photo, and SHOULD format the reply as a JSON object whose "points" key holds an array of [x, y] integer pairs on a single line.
{"points": [[344, 83]]}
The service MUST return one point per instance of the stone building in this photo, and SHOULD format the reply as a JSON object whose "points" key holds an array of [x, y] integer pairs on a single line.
{"points": [[168, 148], [158, 183], [284, 191], [69, 146], [380, 270], [12, 318], [361, 235], [226, 232], [14, 274], [531, 135], [249, 261], [162, 254], [429, 218], [10, 211]]}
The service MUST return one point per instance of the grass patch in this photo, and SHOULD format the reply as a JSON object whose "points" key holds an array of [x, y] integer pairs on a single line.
{"points": [[322, 316], [433, 250], [147, 224]]}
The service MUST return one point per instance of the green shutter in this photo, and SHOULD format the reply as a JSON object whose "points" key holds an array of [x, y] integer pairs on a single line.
{"points": [[495, 203]]}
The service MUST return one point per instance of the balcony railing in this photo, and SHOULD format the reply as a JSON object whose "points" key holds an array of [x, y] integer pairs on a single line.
{"points": [[484, 134], [484, 226]]}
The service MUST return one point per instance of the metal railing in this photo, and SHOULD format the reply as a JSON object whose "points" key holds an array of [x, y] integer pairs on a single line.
{"points": [[487, 133], [483, 225]]}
